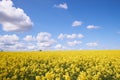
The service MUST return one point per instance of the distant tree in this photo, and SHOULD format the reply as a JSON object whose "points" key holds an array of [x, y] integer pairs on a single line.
{"points": [[1, 50], [40, 50]]}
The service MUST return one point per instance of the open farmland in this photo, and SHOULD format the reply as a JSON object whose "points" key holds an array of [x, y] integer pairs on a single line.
{"points": [[60, 65]]}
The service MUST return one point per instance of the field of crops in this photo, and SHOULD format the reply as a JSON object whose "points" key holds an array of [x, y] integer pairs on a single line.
{"points": [[60, 65]]}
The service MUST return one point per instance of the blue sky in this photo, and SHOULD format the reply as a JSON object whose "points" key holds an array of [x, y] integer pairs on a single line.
{"points": [[59, 24]]}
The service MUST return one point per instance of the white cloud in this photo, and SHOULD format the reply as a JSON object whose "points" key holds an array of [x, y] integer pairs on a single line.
{"points": [[46, 43], [29, 38], [9, 39], [92, 27], [19, 46], [44, 40], [31, 47], [70, 36], [92, 44], [59, 47], [43, 36], [63, 6], [80, 35], [61, 36], [76, 23], [12, 18], [22, 46], [74, 43], [13, 43]]}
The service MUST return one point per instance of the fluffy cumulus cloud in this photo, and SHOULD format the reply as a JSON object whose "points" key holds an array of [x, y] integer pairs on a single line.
{"points": [[29, 38], [43, 36], [92, 44], [13, 43], [92, 27], [63, 6], [12, 18], [59, 47], [70, 36], [74, 43], [44, 40], [8, 41], [31, 47], [80, 35], [61, 36], [76, 23], [19, 46]]}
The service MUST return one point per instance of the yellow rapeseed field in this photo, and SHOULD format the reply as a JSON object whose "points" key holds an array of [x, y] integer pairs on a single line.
{"points": [[60, 65]]}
